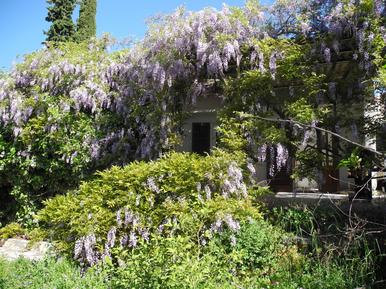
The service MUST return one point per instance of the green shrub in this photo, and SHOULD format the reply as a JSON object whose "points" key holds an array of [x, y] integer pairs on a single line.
{"points": [[260, 258], [49, 273], [12, 230], [171, 263], [180, 194], [186, 221], [178, 263]]}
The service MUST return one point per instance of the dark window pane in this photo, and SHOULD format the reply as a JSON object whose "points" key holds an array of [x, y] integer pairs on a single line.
{"points": [[201, 137]]}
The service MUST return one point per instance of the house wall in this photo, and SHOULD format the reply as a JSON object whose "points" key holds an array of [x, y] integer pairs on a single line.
{"points": [[261, 173], [198, 116], [204, 110]]}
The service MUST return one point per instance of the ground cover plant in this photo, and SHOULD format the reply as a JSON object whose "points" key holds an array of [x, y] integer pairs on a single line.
{"points": [[47, 274]]}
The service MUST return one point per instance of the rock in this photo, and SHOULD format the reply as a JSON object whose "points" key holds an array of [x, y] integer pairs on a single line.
{"points": [[16, 248], [301, 242]]}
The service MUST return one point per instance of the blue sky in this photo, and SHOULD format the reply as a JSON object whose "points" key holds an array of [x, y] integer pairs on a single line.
{"points": [[22, 21]]}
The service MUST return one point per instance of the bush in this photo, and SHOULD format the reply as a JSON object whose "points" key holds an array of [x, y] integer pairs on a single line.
{"points": [[171, 263], [260, 258], [179, 263], [12, 230], [178, 195], [185, 221]]}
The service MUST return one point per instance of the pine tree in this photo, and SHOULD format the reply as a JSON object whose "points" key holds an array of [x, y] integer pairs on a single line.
{"points": [[62, 28], [86, 26]]}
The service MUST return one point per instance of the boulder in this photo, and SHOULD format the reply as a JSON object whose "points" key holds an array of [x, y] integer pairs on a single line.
{"points": [[12, 249]]}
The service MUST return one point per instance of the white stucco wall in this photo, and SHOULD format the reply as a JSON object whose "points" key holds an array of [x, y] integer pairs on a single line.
{"points": [[204, 110], [199, 116]]}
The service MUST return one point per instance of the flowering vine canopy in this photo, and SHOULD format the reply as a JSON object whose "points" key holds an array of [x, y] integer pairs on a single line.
{"points": [[70, 109]]}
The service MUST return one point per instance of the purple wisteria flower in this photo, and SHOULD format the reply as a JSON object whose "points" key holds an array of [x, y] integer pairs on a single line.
{"points": [[152, 185], [217, 226], [208, 192], [84, 249], [233, 225], [111, 235], [262, 153], [281, 156], [133, 240], [119, 219], [128, 217], [124, 240], [251, 168], [145, 234], [261, 62], [272, 64], [327, 54]]}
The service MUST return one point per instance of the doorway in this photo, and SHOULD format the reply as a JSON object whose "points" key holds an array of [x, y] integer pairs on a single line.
{"points": [[201, 137]]}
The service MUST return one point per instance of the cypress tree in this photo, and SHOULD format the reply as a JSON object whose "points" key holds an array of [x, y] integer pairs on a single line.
{"points": [[62, 28], [86, 26]]}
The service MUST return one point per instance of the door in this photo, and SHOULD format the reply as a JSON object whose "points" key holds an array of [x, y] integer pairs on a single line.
{"points": [[201, 137]]}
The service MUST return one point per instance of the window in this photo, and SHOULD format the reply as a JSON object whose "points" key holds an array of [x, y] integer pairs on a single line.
{"points": [[201, 137]]}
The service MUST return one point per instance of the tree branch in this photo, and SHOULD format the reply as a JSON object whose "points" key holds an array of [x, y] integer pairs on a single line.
{"points": [[294, 122]]}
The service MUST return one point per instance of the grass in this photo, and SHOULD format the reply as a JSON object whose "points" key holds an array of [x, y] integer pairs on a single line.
{"points": [[48, 274]]}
